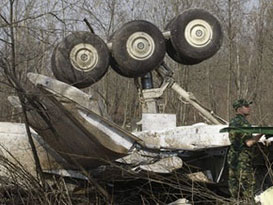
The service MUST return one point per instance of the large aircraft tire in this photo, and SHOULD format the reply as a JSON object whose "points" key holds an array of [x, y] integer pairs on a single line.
{"points": [[81, 59], [138, 47], [195, 35]]}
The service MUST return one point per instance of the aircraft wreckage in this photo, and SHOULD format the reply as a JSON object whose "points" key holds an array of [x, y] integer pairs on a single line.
{"points": [[72, 133]]}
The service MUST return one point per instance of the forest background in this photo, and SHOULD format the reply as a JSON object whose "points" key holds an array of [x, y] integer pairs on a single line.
{"points": [[242, 68]]}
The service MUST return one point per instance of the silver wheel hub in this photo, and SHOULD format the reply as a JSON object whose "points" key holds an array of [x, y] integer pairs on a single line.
{"points": [[198, 33], [84, 57], [140, 46]]}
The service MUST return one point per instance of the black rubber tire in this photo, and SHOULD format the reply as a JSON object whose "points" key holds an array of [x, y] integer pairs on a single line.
{"points": [[64, 70], [174, 54], [54, 69], [126, 65], [180, 49], [113, 63], [176, 57]]}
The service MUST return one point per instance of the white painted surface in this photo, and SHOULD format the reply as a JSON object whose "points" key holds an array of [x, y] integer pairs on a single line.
{"points": [[165, 165], [14, 146], [117, 137], [186, 137], [64, 90], [152, 161], [157, 121], [265, 198]]}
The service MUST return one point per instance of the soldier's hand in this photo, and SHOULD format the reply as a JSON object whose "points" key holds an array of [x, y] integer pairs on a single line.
{"points": [[265, 141]]}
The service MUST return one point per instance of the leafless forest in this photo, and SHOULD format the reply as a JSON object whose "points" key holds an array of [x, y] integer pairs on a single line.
{"points": [[242, 68]]}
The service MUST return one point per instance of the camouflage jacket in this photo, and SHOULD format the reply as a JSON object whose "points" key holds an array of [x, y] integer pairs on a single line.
{"points": [[240, 161], [238, 139]]}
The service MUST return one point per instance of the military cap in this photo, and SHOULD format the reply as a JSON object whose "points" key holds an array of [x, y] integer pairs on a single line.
{"points": [[241, 103]]}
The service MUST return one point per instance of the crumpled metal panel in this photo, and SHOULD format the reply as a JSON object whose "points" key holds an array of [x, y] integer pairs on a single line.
{"points": [[198, 136], [64, 119], [152, 161], [265, 198], [164, 165]]}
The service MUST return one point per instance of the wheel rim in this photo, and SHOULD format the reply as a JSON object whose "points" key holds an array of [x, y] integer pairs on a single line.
{"points": [[84, 57], [140, 46], [198, 33]]}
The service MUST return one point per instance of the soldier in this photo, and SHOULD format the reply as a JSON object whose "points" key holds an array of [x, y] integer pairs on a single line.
{"points": [[241, 172]]}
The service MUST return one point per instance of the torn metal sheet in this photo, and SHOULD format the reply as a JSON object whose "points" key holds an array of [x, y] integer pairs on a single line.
{"points": [[265, 198], [204, 176], [192, 137], [66, 173], [70, 122], [65, 91], [64, 118], [165, 165], [152, 161]]}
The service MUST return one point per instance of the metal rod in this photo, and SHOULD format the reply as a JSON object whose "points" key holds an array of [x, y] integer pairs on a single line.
{"points": [[184, 94], [89, 26], [166, 34]]}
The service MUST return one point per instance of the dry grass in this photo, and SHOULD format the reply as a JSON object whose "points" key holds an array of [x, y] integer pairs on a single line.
{"points": [[116, 184], [123, 187]]}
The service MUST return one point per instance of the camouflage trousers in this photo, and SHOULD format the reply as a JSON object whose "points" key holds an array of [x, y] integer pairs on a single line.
{"points": [[241, 176]]}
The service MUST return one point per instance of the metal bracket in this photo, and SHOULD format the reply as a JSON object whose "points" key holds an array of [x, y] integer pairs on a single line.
{"points": [[155, 92], [150, 96]]}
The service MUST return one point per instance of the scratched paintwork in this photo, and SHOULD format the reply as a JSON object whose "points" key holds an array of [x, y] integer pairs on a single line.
{"points": [[186, 137]]}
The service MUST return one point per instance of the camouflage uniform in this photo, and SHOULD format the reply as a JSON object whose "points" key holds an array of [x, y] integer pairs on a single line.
{"points": [[241, 173]]}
